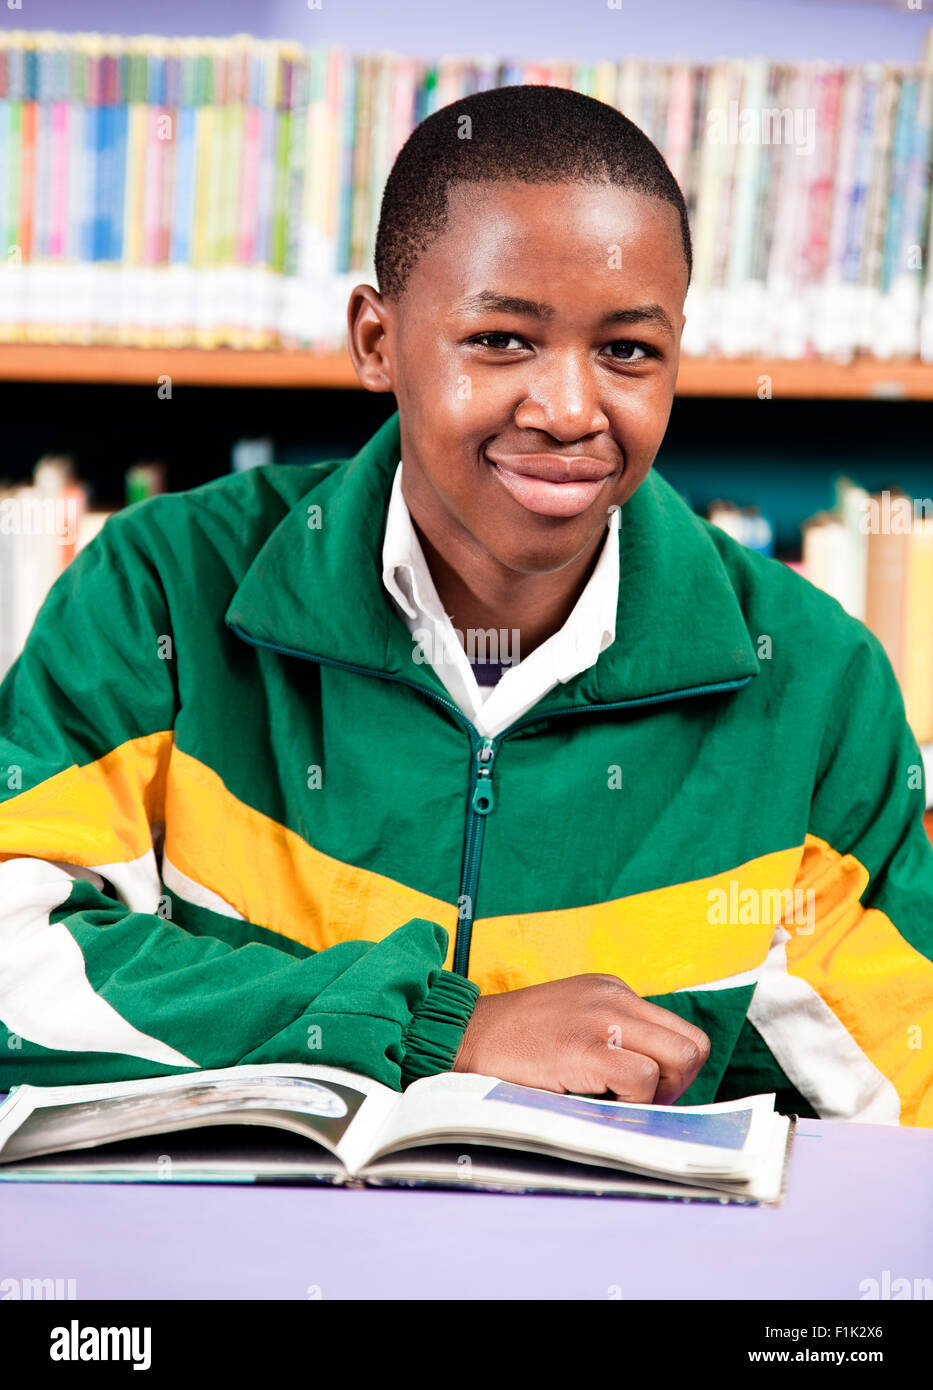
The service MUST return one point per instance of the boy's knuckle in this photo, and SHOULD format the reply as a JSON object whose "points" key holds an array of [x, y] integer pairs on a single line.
{"points": [[607, 986], [644, 1071]]}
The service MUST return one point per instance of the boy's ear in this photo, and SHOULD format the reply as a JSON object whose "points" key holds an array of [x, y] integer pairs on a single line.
{"points": [[368, 317]]}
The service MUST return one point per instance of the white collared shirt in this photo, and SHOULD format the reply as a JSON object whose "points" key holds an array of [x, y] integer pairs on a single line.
{"points": [[589, 630]]}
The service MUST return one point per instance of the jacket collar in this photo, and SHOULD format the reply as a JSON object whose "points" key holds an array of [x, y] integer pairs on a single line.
{"points": [[317, 592]]}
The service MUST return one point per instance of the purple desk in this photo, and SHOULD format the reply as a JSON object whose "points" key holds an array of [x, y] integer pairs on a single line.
{"points": [[859, 1203]]}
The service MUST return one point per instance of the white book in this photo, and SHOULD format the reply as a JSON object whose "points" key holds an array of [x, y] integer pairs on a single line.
{"points": [[297, 1123]]}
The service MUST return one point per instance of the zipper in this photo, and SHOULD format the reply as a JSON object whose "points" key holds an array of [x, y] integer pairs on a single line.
{"points": [[481, 803], [484, 750]]}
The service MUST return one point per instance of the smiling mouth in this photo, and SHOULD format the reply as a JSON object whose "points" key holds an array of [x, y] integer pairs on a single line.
{"points": [[551, 484]]}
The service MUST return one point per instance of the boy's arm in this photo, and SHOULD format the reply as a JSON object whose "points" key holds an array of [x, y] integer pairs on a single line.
{"points": [[96, 989], [845, 1002]]}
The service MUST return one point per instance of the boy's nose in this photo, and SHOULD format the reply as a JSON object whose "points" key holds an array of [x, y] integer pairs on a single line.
{"points": [[563, 400]]}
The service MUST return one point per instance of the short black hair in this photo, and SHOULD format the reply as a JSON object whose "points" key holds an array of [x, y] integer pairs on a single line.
{"points": [[535, 134]]}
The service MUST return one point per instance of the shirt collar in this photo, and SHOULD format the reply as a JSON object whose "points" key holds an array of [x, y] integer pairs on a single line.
{"points": [[403, 559]]}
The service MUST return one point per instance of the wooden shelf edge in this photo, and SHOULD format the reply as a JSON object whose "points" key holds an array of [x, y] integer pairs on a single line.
{"points": [[233, 367], [863, 379], [187, 366]]}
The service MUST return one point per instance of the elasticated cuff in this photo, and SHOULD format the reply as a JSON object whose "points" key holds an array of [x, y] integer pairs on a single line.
{"points": [[437, 1027]]}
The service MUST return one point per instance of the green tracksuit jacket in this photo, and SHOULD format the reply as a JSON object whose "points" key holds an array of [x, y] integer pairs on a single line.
{"points": [[240, 823]]}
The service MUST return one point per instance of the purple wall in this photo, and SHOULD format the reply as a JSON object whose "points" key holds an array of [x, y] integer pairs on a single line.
{"points": [[846, 31]]}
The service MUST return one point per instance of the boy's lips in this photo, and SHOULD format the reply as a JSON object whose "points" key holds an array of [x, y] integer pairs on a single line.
{"points": [[551, 484]]}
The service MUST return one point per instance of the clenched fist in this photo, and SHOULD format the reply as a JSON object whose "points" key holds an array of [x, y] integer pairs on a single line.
{"points": [[589, 1034]]}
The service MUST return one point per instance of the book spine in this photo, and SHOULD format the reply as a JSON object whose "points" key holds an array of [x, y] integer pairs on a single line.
{"points": [[178, 256], [281, 182], [382, 136], [791, 221], [736, 84], [834, 328], [908, 285], [131, 316], [183, 204], [266, 173], [885, 598], [119, 117], [679, 118], [59, 178], [900, 307], [362, 156], [12, 248], [204, 123], [167, 134], [713, 161], [75, 166], [345, 182], [246, 235], [904, 125], [876, 211], [294, 306], [43, 149], [741, 308], [27, 168]]}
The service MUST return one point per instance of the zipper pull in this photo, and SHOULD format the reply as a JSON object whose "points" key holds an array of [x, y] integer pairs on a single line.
{"points": [[482, 802]]}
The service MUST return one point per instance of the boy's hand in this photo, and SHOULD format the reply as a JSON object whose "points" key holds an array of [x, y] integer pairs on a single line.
{"points": [[588, 1033]]}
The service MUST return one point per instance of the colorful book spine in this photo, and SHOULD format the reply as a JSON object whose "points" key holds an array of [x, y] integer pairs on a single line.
{"points": [[900, 329], [876, 211]]}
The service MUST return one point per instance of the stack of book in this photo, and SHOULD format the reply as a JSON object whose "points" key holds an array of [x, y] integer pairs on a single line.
{"points": [[226, 192], [874, 553], [43, 525], [744, 524]]}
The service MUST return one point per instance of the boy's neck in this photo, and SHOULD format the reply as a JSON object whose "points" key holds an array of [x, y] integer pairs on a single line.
{"points": [[479, 593]]}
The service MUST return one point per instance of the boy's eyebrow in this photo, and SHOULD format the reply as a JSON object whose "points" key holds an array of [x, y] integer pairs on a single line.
{"points": [[488, 301]]}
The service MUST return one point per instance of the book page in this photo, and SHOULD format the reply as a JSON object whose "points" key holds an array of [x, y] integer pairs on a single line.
{"points": [[472, 1167], [210, 1154], [324, 1104], [724, 1139]]}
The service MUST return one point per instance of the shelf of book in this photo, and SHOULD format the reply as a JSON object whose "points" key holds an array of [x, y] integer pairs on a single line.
{"points": [[863, 379]]}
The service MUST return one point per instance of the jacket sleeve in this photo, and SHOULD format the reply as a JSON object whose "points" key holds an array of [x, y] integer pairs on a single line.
{"points": [[845, 1001], [95, 983]]}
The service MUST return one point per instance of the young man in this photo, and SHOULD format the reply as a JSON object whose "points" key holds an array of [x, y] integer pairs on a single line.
{"points": [[258, 806]]}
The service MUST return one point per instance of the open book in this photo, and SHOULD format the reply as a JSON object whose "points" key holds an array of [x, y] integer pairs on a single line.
{"points": [[304, 1124]]}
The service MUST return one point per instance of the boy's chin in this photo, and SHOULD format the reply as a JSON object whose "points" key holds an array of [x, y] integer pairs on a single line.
{"points": [[547, 552]]}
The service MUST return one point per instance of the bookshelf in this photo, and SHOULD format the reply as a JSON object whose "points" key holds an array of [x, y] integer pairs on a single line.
{"points": [[104, 364]]}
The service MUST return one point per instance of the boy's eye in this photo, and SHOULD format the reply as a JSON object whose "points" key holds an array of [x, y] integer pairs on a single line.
{"points": [[629, 348], [497, 340]]}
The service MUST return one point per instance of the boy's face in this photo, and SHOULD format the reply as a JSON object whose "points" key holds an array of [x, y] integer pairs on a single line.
{"points": [[533, 356]]}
